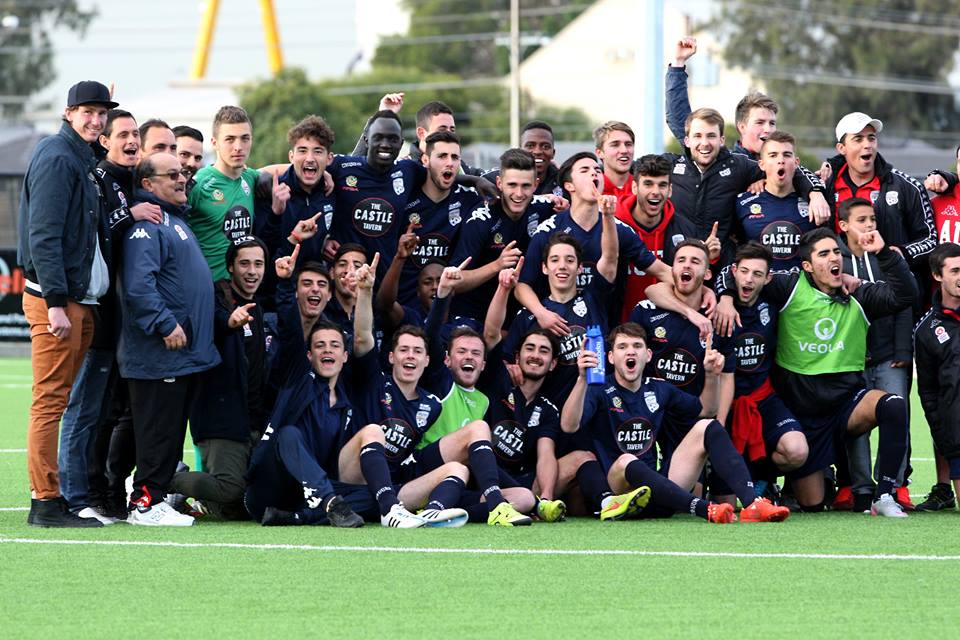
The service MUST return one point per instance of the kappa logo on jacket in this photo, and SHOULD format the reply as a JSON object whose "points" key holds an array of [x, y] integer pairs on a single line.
{"points": [[139, 234]]}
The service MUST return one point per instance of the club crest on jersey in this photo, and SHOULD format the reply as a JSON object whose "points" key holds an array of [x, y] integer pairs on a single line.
{"points": [[398, 186], [414, 218], [803, 208], [764, 316], [217, 195], [726, 172], [580, 307], [756, 209], [941, 333], [534, 418], [679, 169], [351, 181], [453, 214], [651, 399], [387, 399], [510, 400], [532, 224], [873, 196], [498, 238], [245, 187], [617, 402], [893, 197], [422, 418], [183, 236], [677, 238], [660, 332]]}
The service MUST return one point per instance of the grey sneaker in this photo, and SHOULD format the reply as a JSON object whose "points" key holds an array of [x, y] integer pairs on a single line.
{"points": [[939, 498], [886, 506]]}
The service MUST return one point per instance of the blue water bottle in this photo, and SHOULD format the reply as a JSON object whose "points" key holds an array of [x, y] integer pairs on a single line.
{"points": [[596, 375]]}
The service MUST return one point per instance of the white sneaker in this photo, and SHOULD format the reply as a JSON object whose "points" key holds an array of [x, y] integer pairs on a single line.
{"points": [[885, 505], [450, 518], [159, 515], [400, 518], [90, 512]]}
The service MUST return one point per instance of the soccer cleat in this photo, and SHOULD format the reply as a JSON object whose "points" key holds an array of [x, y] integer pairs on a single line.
{"points": [[862, 502], [159, 514], [504, 515], [886, 506], [626, 504], [90, 512], [903, 497], [341, 515], [273, 517], [762, 510], [54, 514], [399, 518], [939, 498], [720, 513], [844, 500], [551, 510], [449, 518]]}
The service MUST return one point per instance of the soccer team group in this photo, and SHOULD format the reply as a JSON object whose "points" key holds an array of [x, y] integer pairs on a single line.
{"points": [[406, 340]]}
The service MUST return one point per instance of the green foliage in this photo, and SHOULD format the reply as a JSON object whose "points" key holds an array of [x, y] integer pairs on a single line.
{"points": [[788, 44], [26, 54]]}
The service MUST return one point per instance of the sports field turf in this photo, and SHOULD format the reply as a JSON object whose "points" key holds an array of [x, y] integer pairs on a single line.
{"points": [[820, 576]]}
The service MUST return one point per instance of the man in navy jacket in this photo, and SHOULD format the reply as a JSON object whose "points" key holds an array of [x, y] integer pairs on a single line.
{"points": [[167, 334]]}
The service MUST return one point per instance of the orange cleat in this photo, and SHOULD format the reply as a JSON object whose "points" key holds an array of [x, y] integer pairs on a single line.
{"points": [[721, 513], [762, 510], [903, 497], [844, 500]]}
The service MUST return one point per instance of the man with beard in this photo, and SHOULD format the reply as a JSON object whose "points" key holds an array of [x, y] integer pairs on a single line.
{"points": [[167, 336], [232, 413], [629, 414], [495, 235], [437, 210], [821, 353]]}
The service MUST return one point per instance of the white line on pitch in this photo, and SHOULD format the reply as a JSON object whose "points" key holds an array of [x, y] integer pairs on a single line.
{"points": [[503, 552]]}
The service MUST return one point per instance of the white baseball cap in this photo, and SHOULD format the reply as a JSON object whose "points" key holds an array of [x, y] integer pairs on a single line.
{"points": [[855, 123]]}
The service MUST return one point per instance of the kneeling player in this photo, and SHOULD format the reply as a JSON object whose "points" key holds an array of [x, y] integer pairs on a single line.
{"points": [[628, 414]]}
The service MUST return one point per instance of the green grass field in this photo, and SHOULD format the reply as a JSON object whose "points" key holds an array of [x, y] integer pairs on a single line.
{"points": [[820, 576]]}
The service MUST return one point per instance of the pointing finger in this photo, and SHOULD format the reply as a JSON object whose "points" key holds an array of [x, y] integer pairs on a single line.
{"points": [[463, 265], [519, 266], [713, 232], [296, 252], [376, 261]]}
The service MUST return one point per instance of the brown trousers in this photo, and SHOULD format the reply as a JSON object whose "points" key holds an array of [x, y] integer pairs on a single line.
{"points": [[55, 366]]}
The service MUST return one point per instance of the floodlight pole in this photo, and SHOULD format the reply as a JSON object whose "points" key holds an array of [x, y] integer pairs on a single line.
{"points": [[201, 50], [514, 73]]}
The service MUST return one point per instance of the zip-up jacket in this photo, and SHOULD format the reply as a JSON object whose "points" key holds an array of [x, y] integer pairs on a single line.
{"points": [[937, 346], [61, 218]]}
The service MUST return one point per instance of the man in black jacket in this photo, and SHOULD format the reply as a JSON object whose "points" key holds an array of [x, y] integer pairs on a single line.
{"points": [[232, 414], [64, 251], [937, 342]]}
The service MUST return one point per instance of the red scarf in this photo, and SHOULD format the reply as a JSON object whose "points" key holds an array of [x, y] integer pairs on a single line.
{"points": [[748, 424]]}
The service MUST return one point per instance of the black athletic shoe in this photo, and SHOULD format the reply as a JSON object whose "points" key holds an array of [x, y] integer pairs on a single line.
{"points": [[862, 502], [341, 515], [939, 498], [279, 518], [54, 513]]}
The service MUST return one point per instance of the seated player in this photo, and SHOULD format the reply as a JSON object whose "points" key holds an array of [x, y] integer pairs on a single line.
{"points": [[819, 372], [313, 463], [628, 414], [526, 425], [579, 308]]}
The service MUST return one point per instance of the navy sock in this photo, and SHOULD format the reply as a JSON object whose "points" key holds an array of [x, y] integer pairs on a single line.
{"points": [[894, 429], [727, 463], [483, 464], [446, 494], [477, 512], [376, 471], [664, 492], [593, 484]]}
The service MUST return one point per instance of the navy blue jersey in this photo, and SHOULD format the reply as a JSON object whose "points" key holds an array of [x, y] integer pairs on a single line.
{"points": [[377, 400], [369, 204], [587, 308], [776, 223], [516, 425], [485, 233], [632, 250], [755, 344], [439, 226], [623, 421], [677, 348]]}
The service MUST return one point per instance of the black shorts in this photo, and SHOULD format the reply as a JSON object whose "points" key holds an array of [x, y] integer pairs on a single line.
{"points": [[824, 435]]}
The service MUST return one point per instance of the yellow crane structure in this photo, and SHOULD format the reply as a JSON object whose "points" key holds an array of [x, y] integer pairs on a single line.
{"points": [[201, 51]]}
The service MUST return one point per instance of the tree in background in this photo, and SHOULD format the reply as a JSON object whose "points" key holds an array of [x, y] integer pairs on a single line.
{"points": [[26, 54], [821, 59]]}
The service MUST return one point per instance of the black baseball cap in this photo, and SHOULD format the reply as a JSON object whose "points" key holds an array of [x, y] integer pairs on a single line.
{"points": [[90, 92]]}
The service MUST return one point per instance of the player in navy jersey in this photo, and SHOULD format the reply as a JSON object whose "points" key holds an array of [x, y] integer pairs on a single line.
{"points": [[762, 428], [581, 177], [777, 216], [403, 410], [436, 211], [525, 424], [629, 414], [390, 312], [496, 235], [562, 262]]}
